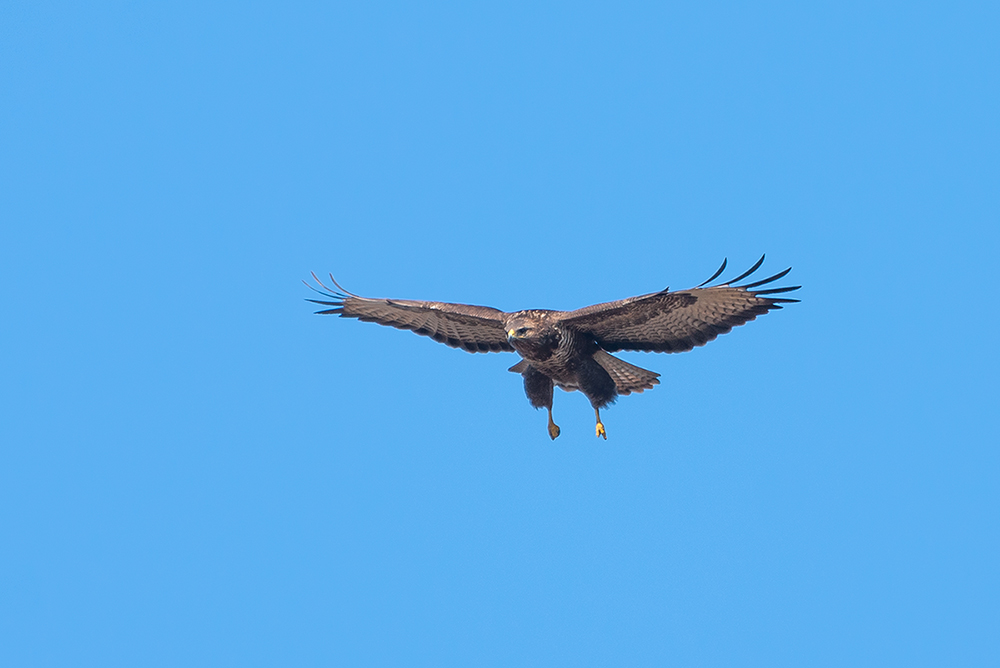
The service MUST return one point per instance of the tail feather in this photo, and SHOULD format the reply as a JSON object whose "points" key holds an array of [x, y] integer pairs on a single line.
{"points": [[628, 377], [520, 367]]}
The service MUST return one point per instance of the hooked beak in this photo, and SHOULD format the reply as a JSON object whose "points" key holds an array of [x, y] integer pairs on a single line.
{"points": [[511, 334]]}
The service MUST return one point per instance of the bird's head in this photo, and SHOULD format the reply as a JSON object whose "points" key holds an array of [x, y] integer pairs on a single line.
{"points": [[521, 332], [529, 330]]}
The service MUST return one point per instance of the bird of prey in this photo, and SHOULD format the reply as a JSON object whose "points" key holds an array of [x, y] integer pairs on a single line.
{"points": [[572, 349]]}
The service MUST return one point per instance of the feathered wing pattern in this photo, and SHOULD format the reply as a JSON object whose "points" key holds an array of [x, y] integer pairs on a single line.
{"points": [[678, 321], [473, 328]]}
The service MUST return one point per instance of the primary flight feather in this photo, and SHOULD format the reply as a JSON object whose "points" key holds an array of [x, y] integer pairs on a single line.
{"points": [[571, 349]]}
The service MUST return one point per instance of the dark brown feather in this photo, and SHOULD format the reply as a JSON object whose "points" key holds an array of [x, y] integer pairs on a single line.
{"points": [[676, 321], [473, 328]]}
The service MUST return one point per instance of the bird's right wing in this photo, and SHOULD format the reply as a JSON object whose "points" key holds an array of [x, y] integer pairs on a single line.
{"points": [[674, 322], [478, 329]]}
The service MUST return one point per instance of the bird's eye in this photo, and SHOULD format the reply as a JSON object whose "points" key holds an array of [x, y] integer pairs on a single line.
{"points": [[521, 331]]}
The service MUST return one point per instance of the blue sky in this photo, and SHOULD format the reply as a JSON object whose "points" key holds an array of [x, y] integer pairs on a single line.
{"points": [[198, 471]]}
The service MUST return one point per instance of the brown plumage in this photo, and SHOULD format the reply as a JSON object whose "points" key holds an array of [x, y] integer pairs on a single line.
{"points": [[570, 349]]}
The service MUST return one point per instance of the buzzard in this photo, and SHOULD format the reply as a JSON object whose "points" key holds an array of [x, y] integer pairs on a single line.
{"points": [[572, 349]]}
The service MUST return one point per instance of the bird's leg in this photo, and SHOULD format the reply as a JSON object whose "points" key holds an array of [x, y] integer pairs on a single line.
{"points": [[600, 425], [553, 427]]}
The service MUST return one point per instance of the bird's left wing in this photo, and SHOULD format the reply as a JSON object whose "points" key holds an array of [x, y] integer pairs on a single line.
{"points": [[478, 329], [674, 322]]}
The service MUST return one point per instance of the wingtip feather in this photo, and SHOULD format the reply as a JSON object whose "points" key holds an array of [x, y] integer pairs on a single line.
{"points": [[341, 287], [717, 273], [769, 279], [749, 271], [774, 291], [328, 292]]}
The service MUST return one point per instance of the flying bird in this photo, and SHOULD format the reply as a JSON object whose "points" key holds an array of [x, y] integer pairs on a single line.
{"points": [[572, 349]]}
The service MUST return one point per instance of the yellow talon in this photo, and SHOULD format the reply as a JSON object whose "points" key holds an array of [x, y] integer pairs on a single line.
{"points": [[600, 425]]}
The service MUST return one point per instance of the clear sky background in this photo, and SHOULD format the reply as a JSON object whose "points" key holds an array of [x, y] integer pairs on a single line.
{"points": [[197, 471]]}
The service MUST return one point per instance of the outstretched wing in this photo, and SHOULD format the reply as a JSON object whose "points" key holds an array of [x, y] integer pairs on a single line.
{"points": [[478, 329], [674, 322]]}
